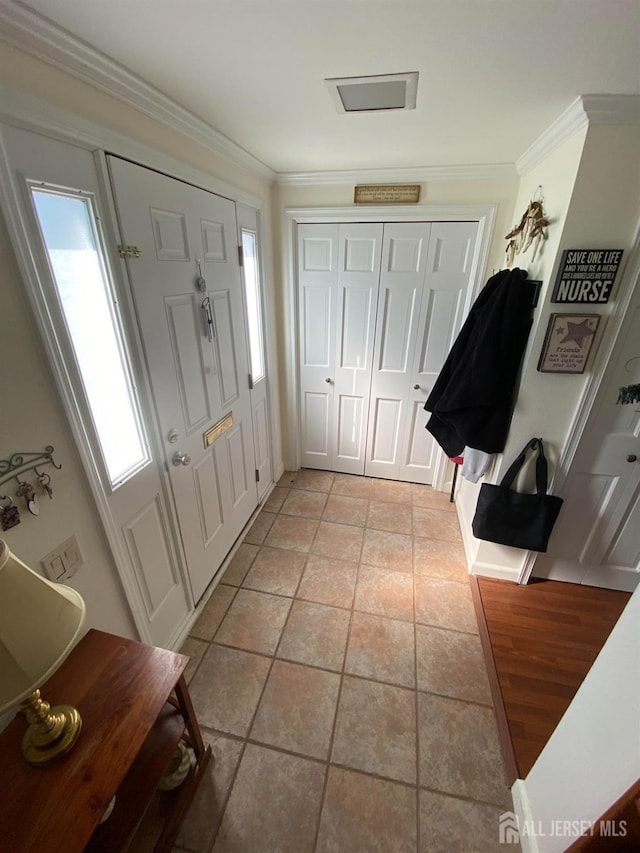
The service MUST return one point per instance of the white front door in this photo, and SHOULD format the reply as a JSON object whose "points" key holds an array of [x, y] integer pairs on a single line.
{"points": [[188, 296], [596, 539]]}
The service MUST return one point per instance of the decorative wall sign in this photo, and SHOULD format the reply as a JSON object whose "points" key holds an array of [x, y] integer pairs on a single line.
{"points": [[586, 276], [386, 194], [568, 343]]}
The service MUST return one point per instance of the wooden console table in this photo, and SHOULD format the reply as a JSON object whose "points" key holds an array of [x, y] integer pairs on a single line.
{"points": [[135, 708]]}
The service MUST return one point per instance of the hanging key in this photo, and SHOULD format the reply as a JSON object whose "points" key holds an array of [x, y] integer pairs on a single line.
{"points": [[9, 514], [201, 284], [26, 491], [44, 481]]}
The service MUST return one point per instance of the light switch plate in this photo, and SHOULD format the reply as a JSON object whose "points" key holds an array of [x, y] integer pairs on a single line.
{"points": [[64, 561]]}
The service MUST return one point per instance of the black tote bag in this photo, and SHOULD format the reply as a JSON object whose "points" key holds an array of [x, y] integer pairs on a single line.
{"points": [[511, 518]]}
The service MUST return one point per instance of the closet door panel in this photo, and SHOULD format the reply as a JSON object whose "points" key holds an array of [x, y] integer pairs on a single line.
{"points": [[385, 430], [317, 285], [359, 256], [404, 259], [316, 409], [398, 310], [350, 428], [317, 318], [443, 301]]}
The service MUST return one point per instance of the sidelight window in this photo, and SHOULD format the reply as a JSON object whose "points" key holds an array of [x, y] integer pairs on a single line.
{"points": [[253, 303], [87, 301]]}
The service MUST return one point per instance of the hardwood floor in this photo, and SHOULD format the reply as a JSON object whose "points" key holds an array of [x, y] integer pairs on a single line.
{"points": [[539, 642]]}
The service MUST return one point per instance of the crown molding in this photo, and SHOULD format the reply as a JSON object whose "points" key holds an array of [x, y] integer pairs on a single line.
{"points": [[424, 174], [584, 111], [30, 32], [612, 109]]}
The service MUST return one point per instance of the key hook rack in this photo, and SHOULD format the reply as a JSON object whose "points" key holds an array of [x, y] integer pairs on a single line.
{"points": [[21, 463]]}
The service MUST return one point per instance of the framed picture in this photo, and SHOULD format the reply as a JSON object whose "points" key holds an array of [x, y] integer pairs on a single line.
{"points": [[568, 342]]}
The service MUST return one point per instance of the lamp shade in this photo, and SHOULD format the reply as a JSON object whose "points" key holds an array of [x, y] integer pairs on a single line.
{"points": [[40, 622]]}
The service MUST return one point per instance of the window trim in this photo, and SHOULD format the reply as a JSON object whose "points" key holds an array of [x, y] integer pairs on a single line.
{"points": [[259, 302], [64, 340]]}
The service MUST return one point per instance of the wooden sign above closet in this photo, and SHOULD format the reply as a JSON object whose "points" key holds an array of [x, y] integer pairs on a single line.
{"points": [[386, 194]]}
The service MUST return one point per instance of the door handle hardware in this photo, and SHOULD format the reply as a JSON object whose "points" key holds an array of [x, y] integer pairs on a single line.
{"points": [[416, 387], [129, 252], [328, 379], [172, 436], [631, 457], [208, 317], [180, 458], [201, 284]]}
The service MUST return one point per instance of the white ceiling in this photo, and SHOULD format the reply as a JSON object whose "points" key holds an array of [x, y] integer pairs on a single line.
{"points": [[494, 74]]}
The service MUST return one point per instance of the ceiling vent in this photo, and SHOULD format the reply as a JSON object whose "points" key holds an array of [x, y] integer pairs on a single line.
{"points": [[372, 94]]}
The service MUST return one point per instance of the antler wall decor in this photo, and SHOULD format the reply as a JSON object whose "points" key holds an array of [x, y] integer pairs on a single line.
{"points": [[530, 231]]}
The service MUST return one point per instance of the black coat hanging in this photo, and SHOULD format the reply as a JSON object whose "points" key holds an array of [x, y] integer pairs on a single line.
{"points": [[473, 397]]}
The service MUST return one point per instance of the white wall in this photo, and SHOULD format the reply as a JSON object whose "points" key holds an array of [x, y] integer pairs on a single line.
{"points": [[31, 415], [592, 196], [556, 177], [32, 418], [593, 756]]}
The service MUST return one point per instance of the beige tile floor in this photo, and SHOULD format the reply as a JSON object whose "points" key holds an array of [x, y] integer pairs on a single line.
{"points": [[337, 674]]}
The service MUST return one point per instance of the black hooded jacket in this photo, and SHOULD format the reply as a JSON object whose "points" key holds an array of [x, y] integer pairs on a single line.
{"points": [[473, 397]]}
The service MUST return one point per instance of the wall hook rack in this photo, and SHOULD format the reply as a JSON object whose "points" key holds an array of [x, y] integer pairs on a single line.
{"points": [[20, 463]]}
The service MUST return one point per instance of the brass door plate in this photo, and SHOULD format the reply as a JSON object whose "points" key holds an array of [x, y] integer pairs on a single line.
{"points": [[219, 428]]}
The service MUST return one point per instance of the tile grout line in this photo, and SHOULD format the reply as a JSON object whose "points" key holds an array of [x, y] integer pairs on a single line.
{"points": [[338, 698], [416, 694], [352, 610]]}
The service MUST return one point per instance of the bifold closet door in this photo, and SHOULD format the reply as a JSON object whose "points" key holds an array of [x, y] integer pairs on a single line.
{"points": [[379, 308], [338, 283], [424, 290]]}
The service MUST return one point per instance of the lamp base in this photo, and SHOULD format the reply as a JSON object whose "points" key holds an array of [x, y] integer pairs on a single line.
{"points": [[53, 731]]}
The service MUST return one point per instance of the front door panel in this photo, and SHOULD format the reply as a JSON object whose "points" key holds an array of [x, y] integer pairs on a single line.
{"points": [[197, 357]]}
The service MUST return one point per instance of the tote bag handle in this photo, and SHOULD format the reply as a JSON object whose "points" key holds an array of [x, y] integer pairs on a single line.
{"points": [[541, 467]]}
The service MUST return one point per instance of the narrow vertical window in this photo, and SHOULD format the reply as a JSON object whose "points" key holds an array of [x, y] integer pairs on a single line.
{"points": [[67, 225], [253, 302]]}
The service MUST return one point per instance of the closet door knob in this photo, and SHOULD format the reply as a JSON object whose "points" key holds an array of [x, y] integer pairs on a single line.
{"points": [[631, 457], [328, 379], [416, 387]]}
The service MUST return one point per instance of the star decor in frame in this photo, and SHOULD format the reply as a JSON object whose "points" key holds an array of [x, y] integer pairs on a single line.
{"points": [[568, 342]]}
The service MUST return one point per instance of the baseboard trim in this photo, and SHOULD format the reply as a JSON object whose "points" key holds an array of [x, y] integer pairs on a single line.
{"points": [[479, 567], [504, 735], [522, 810], [490, 570]]}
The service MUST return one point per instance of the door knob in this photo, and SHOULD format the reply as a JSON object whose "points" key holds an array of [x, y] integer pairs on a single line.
{"points": [[179, 458], [172, 436], [631, 457], [328, 379], [416, 387]]}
